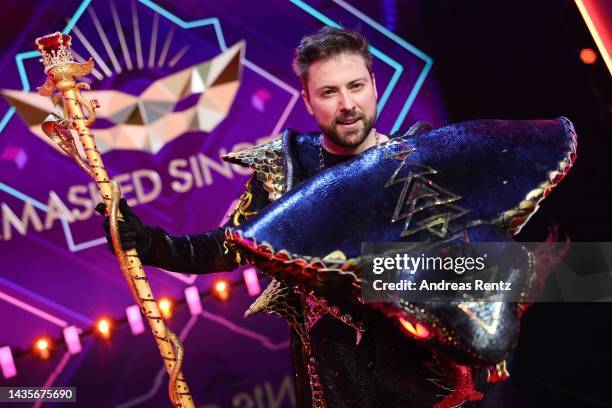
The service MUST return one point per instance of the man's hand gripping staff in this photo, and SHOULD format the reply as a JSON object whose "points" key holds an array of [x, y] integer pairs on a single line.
{"points": [[61, 86]]}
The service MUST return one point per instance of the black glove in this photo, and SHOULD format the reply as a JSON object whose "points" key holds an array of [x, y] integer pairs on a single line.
{"points": [[133, 233]]}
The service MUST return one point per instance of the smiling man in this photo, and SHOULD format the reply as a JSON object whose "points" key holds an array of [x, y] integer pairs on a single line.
{"points": [[339, 89], [332, 366]]}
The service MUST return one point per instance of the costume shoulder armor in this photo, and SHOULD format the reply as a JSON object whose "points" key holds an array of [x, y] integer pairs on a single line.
{"points": [[267, 162], [283, 162]]}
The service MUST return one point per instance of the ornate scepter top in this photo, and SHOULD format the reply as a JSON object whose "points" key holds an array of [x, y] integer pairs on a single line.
{"points": [[55, 50], [60, 66]]}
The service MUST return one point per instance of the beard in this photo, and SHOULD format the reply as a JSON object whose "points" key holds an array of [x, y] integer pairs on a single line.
{"points": [[349, 138]]}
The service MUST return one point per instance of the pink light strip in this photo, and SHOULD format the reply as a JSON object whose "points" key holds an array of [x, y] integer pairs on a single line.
{"points": [[31, 309], [135, 319], [193, 300], [7, 363], [71, 335], [252, 282]]}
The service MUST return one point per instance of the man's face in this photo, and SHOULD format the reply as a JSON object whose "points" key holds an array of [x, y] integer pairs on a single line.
{"points": [[341, 95]]}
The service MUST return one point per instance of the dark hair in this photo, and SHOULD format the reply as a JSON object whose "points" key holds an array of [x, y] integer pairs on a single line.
{"points": [[326, 43]]}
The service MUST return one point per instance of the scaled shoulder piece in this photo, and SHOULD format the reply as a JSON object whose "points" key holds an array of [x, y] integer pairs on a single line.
{"points": [[268, 163]]}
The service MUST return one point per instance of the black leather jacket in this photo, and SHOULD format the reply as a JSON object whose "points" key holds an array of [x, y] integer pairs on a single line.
{"points": [[198, 253]]}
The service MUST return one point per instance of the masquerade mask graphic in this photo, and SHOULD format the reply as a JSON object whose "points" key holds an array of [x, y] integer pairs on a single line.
{"points": [[149, 121]]}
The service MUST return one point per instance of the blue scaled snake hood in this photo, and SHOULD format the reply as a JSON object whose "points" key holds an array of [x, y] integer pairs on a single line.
{"points": [[478, 180]]}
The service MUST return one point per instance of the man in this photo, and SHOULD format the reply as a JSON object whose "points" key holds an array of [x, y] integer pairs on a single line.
{"points": [[455, 186], [335, 67], [339, 91]]}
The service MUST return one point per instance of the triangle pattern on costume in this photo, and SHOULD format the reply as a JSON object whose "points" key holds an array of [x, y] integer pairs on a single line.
{"points": [[421, 203], [485, 314]]}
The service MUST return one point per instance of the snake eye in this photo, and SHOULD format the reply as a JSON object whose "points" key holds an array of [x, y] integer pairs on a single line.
{"points": [[415, 330]]}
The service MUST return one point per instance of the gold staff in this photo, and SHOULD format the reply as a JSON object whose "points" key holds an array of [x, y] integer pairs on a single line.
{"points": [[61, 86]]}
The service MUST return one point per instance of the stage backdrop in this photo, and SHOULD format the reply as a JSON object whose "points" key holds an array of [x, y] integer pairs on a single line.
{"points": [[180, 83]]}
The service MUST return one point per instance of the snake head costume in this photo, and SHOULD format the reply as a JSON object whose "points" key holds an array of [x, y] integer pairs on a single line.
{"points": [[476, 181]]}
